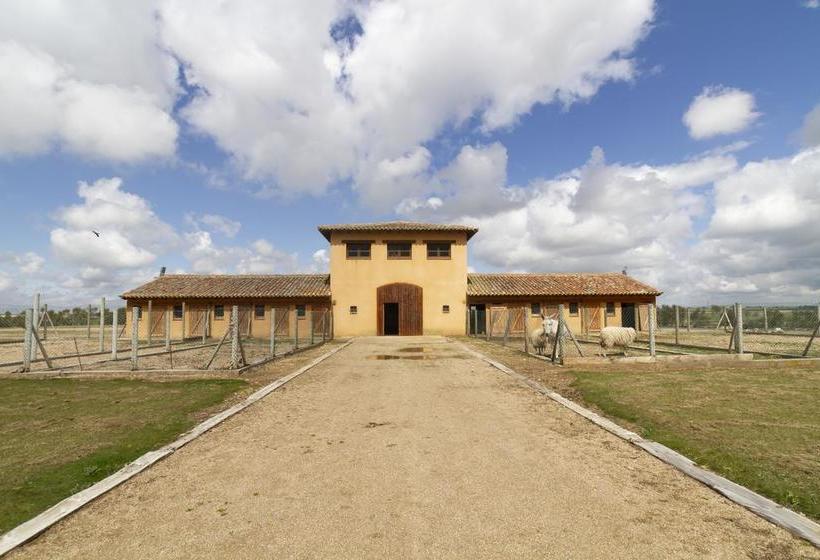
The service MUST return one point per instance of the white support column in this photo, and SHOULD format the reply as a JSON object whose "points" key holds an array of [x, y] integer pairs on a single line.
{"points": [[27, 341], [652, 320], [35, 321], [766, 320], [102, 324], [114, 333], [135, 338]]}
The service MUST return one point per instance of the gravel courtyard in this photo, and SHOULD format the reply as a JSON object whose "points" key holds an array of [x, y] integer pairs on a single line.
{"points": [[411, 448]]}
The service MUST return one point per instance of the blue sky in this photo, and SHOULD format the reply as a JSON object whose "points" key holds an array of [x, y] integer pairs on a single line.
{"points": [[570, 153]]}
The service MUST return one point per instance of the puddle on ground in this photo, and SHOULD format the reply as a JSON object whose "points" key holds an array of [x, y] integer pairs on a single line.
{"points": [[394, 357], [415, 349]]}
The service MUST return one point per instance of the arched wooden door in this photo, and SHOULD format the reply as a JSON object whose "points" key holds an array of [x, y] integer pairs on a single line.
{"points": [[399, 309]]}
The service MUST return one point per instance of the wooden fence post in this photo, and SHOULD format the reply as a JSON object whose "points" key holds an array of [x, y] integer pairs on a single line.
{"points": [[296, 328], [234, 337], [507, 326], [310, 324], [89, 322], [677, 324], [739, 328], [27, 341], [168, 328], [35, 322], [45, 321], [651, 320], [558, 348], [765, 320], [135, 337], [149, 321], [272, 331], [114, 334], [102, 324], [688, 321]]}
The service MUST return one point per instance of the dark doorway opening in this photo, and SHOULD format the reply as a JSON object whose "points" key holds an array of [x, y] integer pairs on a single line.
{"points": [[478, 319], [391, 319], [628, 315]]}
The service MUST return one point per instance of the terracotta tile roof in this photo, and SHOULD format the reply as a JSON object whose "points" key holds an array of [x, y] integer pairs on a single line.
{"points": [[326, 230], [557, 284], [233, 286]]}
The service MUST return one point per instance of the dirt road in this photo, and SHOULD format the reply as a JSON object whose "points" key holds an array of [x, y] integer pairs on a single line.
{"points": [[430, 455]]}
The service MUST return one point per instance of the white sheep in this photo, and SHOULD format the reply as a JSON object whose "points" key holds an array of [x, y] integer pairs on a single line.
{"points": [[544, 335], [616, 336]]}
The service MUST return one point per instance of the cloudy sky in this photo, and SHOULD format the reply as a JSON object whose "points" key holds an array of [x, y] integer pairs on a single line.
{"points": [[678, 139]]}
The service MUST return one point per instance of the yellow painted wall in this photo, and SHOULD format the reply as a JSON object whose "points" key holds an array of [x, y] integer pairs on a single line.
{"points": [[354, 281]]}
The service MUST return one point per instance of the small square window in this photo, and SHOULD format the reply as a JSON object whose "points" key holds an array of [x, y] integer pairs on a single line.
{"points": [[445, 308], [354, 309], [219, 311], [259, 311], [438, 249], [399, 250], [535, 308], [300, 310], [358, 249], [610, 308], [573, 309], [177, 312]]}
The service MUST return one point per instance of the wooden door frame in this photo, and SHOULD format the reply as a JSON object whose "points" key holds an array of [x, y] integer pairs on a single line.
{"points": [[410, 298]]}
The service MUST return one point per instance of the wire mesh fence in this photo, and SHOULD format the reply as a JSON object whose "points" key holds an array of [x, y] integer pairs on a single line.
{"points": [[155, 336], [775, 331], [763, 331]]}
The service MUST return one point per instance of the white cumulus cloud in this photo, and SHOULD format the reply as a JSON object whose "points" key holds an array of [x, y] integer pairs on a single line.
{"points": [[810, 131], [720, 110], [301, 107], [131, 235], [88, 76]]}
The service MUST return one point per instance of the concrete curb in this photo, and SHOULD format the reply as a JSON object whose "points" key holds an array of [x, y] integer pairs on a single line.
{"points": [[33, 527], [790, 520]]}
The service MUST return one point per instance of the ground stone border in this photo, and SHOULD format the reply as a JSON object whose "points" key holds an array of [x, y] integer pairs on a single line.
{"points": [[786, 518], [33, 527]]}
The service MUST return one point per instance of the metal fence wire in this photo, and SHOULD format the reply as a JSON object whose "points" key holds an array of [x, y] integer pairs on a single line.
{"points": [[763, 331], [155, 336], [775, 331]]}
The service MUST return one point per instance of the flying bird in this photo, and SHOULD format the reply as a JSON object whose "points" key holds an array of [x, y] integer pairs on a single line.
{"points": [[95, 233]]}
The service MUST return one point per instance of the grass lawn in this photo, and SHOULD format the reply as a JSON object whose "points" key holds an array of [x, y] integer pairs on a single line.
{"points": [[59, 436], [757, 426]]}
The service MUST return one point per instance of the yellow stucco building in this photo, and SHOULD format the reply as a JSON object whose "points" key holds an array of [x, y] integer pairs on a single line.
{"points": [[387, 278]]}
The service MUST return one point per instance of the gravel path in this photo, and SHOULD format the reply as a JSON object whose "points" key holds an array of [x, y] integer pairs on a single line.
{"points": [[433, 454]]}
